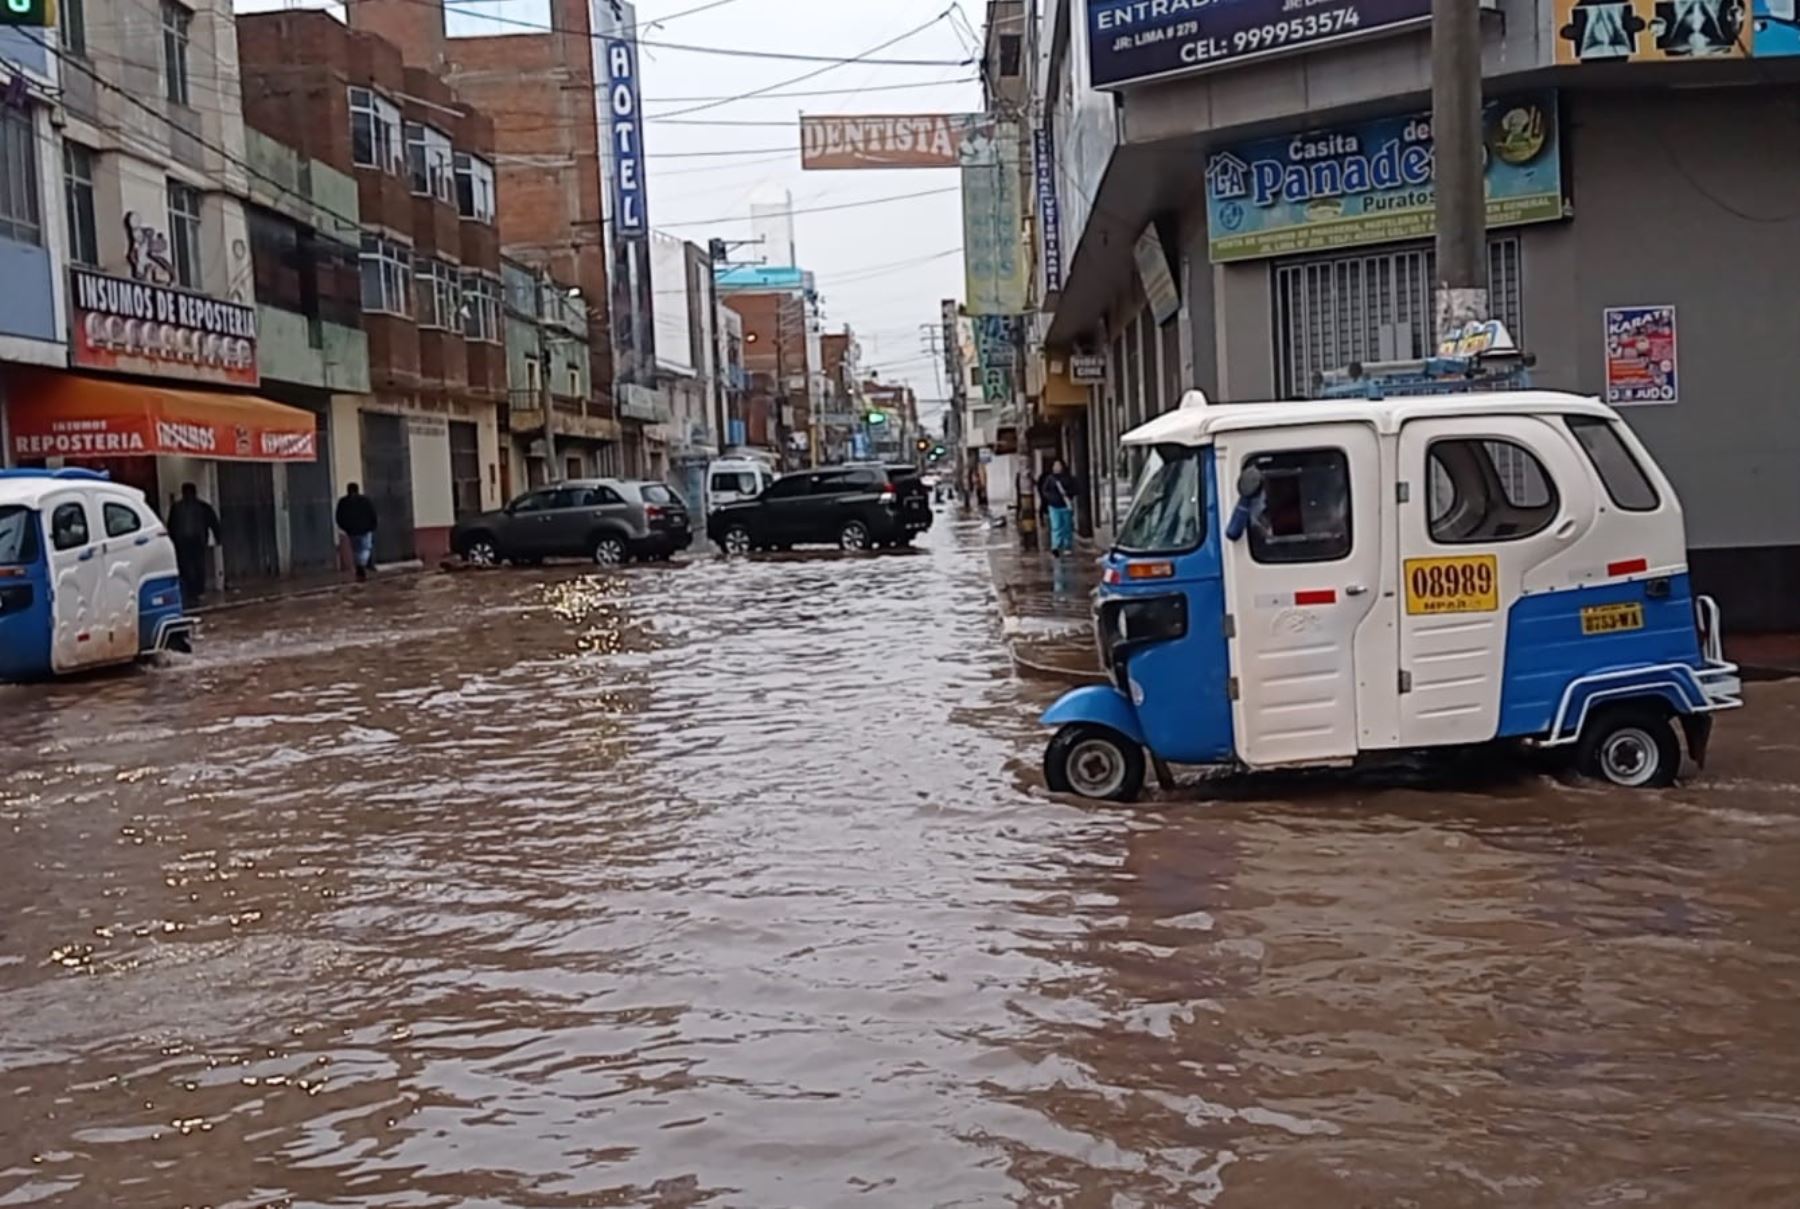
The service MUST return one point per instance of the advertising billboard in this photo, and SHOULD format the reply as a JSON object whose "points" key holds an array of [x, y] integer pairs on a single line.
{"points": [[1131, 41], [1374, 182], [911, 140], [994, 259], [137, 327], [1049, 222], [1672, 31], [1640, 355], [674, 336], [619, 110]]}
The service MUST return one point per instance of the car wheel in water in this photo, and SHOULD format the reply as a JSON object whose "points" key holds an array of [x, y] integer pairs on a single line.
{"points": [[609, 551], [1633, 746], [736, 542], [1095, 762], [482, 552], [853, 537]]}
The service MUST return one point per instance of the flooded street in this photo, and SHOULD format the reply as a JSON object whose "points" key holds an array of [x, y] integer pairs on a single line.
{"points": [[736, 884]]}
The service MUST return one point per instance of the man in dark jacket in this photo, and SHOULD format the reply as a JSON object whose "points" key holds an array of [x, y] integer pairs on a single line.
{"points": [[1057, 490], [356, 517], [192, 524]]}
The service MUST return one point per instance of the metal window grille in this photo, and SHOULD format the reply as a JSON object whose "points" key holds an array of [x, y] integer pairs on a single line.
{"points": [[1330, 311]]}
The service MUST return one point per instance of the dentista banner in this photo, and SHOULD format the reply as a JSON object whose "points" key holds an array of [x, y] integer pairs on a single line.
{"points": [[1374, 182]]}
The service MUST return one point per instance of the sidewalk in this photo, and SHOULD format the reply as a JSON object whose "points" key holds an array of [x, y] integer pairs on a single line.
{"points": [[1044, 605], [297, 586], [1765, 656]]}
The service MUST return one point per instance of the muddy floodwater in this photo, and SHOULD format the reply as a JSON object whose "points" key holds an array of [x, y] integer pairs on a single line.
{"points": [[737, 885]]}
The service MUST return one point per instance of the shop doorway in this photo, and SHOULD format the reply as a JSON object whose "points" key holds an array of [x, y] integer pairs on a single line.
{"points": [[246, 508], [1332, 310], [387, 481], [465, 468], [311, 501]]}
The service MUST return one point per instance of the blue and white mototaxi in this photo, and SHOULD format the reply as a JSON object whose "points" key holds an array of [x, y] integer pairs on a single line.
{"points": [[1306, 584], [87, 575]]}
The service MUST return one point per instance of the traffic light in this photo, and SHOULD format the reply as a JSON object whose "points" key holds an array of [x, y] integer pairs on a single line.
{"points": [[877, 417], [38, 13], [921, 444], [937, 451]]}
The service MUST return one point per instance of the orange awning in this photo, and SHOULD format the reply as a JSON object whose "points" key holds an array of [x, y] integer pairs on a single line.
{"points": [[62, 415]]}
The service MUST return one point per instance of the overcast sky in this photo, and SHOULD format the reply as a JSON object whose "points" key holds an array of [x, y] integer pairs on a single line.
{"points": [[850, 250]]}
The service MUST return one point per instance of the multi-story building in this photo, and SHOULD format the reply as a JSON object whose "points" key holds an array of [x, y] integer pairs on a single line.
{"points": [[556, 427], [844, 410], [539, 89], [124, 210], [1239, 219], [425, 442], [779, 307], [305, 243]]}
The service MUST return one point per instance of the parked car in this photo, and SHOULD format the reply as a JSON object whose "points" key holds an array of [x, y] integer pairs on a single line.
{"points": [[853, 508], [608, 520]]}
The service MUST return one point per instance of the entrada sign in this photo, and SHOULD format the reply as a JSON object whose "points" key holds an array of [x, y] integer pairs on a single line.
{"points": [[1131, 41]]}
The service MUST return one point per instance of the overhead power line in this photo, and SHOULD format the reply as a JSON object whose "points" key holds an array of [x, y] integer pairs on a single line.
{"points": [[729, 51], [873, 201], [820, 92]]}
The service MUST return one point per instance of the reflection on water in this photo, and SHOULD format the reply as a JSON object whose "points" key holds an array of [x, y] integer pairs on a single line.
{"points": [[734, 884]]}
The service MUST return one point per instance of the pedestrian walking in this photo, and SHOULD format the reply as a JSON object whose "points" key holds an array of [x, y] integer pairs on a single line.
{"points": [[192, 526], [1056, 494], [356, 517]]}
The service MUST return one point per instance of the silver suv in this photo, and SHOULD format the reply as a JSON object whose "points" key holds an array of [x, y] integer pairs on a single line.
{"points": [[610, 521]]}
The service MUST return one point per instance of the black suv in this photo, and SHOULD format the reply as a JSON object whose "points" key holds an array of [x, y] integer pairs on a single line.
{"points": [[851, 507], [607, 520]]}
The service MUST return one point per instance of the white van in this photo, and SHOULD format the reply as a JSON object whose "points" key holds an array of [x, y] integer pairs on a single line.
{"points": [[731, 479], [87, 575]]}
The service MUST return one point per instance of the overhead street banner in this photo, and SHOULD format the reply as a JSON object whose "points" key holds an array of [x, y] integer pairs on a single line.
{"points": [[915, 140], [1131, 41]]}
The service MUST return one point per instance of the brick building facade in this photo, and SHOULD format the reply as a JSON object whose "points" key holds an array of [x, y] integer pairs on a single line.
{"points": [[425, 443]]}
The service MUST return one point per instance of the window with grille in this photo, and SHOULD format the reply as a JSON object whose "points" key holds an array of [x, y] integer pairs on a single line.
{"points": [[1331, 311], [440, 294], [428, 162], [375, 132], [20, 217], [474, 187], [386, 277]]}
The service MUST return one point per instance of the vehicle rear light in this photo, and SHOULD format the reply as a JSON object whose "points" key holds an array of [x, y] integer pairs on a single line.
{"points": [[12, 572], [888, 497], [652, 512], [1156, 570]]}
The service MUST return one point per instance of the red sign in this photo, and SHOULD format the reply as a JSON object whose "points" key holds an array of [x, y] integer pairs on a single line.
{"points": [[59, 415], [135, 327]]}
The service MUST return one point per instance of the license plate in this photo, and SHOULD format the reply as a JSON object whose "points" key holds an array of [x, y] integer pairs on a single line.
{"points": [[1612, 618], [1465, 584]]}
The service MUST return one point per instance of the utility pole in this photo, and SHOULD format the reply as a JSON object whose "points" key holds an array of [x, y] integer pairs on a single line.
{"points": [[1461, 293], [544, 397], [959, 397]]}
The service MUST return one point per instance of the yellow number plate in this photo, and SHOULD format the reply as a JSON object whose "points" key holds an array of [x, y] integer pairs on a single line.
{"points": [[1468, 584], [1612, 618]]}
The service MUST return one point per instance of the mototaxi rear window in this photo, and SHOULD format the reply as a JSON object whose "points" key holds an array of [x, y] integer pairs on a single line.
{"points": [[18, 536]]}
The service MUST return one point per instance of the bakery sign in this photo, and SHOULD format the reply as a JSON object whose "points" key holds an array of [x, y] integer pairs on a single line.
{"points": [[136, 327]]}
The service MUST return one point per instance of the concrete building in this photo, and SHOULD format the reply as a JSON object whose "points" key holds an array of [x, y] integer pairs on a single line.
{"points": [[425, 443], [845, 407], [548, 361], [1241, 222], [125, 211]]}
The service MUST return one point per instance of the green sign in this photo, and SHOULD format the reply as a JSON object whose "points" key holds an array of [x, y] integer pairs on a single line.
{"points": [[38, 13]]}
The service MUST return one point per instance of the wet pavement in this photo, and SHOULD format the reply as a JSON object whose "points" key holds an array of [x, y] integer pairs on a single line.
{"points": [[736, 885]]}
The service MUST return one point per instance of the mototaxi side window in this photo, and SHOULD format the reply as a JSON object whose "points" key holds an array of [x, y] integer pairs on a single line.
{"points": [[740, 481], [1302, 513], [68, 526], [1483, 490], [18, 536], [119, 519], [1625, 481], [1166, 515]]}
